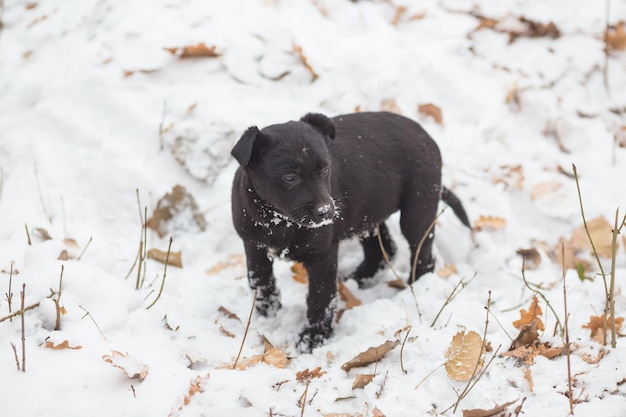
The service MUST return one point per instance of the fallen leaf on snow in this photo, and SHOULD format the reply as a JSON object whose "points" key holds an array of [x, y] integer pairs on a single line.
{"points": [[464, 355], [544, 189], [61, 346], [299, 273], [431, 110], [200, 50], [597, 324], [531, 257], [228, 313], [234, 260], [510, 176], [389, 104], [528, 335], [592, 360], [297, 49], [529, 377], [397, 283], [175, 210], [527, 316], [489, 223], [479, 412], [371, 355], [226, 332], [306, 375], [447, 271], [601, 235], [346, 295], [361, 380], [173, 259], [616, 37], [127, 363]]}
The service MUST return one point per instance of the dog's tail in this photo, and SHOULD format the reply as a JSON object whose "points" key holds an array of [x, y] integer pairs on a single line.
{"points": [[455, 204]]}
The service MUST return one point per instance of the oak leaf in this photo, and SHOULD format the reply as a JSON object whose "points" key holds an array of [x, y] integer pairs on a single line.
{"points": [[479, 412], [306, 375], [346, 295], [61, 346], [172, 259], [616, 37], [597, 325], [527, 316], [370, 355], [300, 273], [601, 234], [431, 110], [489, 223], [200, 50], [127, 363], [464, 355], [361, 380]]}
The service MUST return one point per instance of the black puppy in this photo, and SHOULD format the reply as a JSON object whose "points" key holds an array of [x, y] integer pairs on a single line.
{"points": [[303, 186]]}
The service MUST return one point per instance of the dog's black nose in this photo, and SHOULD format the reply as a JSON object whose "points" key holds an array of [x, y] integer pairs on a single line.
{"points": [[324, 212]]}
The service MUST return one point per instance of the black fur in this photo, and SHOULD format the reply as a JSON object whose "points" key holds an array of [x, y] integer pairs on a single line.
{"points": [[303, 186]]}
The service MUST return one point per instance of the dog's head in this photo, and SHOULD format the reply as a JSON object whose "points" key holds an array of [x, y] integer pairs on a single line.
{"points": [[290, 169]]}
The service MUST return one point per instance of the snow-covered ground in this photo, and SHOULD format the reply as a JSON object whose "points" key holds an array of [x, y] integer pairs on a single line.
{"points": [[94, 112]]}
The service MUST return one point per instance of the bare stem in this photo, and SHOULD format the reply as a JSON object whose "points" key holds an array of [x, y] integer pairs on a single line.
{"points": [[22, 296], [455, 291], [422, 240], [84, 249], [9, 294], [30, 243], [17, 359], [167, 258], [402, 351], [616, 231], [87, 313], [57, 302], [567, 344], [245, 334], [19, 312], [595, 253], [558, 322]]}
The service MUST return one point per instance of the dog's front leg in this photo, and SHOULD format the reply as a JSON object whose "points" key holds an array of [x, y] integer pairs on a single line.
{"points": [[261, 278], [321, 299]]}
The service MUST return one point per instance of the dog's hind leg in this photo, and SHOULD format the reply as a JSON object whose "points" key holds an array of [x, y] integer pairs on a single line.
{"points": [[373, 255], [261, 279], [418, 211]]}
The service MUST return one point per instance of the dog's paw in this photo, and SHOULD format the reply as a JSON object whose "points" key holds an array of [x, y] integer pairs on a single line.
{"points": [[268, 304], [312, 337]]}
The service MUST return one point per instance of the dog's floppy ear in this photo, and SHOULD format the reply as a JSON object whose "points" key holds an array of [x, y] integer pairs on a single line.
{"points": [[242, 151], [322, 122]]}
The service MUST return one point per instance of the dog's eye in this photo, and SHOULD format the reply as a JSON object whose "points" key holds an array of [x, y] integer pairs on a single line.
{"points": [[290, 178], [325, 172]]}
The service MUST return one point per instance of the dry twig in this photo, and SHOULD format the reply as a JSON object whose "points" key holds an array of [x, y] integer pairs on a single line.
{"points": [[246, 331]]}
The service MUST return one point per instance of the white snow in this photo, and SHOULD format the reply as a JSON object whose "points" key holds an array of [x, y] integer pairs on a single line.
{"points": [[92, 109]]}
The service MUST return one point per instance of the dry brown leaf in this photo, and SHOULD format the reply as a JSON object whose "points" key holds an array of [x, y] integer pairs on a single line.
{"points": [[129, 73], [361, 380], [174, 258], [591, 359], [299, 273], [531, 257], [489, 223], [527, 316], [61, 346], [200, 50], [397, 16], [346, 296], [234, 260], [601, 235], [513, 98], [127, 363], [597, 324], [43, 233], [526, 354], [616, 37], [245, 363], [397, 283], [226, 332], [479, 412], [524, 28], [390, 105], [377, 413], [297, 49], [228, 313], [544, 189], [509, 176], [195, 386], [620, 138], [276, 358], [464, 355], [175, 204], [371, 355], [431, 110], [528, 335], [529, 377], [447, 271], [306, 375]]}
